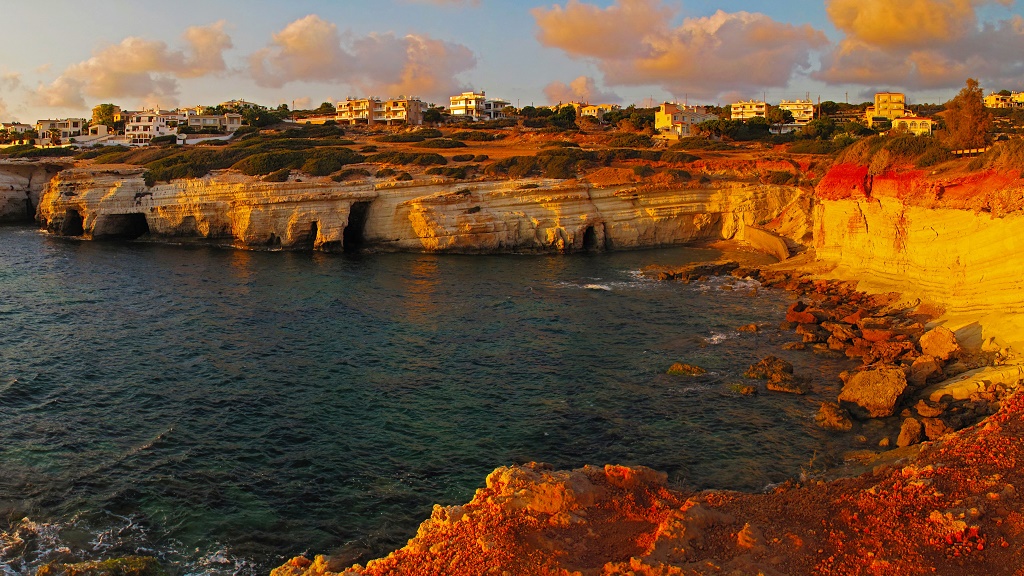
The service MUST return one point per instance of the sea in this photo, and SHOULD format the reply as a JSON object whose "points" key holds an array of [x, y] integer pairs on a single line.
{"points": [[225, 410]]}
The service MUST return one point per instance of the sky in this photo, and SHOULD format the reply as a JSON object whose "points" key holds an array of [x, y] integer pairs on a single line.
{"points": [[62, 57]]}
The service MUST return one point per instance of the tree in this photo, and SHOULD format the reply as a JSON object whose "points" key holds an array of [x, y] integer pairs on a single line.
{"points": [[777, 116], [54, 134], [828, 108], [1005, 92], [433, 115], [326, 108], [967, 119], [104, 114], [565, 118]]}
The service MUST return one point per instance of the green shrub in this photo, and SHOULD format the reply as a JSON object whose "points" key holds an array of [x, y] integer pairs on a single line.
{"points": [[101, 151], [385, 173], [441, 143], [407, 158], [560, 144], [429, 133], [325, 161], [278, 176], [350, 173], [460, 172], [934, 156], [643, 171], [405, 137], [463, 157], [267, 162], [779, 177], [476, 136], [675, 157], [34, 152], [680, 175], [169, 139], [481, 158], [700, 143], [631, 141], [368, 149], [404, 177]]}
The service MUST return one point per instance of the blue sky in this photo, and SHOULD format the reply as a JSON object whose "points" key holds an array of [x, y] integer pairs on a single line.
{"points": [[66, 56]]}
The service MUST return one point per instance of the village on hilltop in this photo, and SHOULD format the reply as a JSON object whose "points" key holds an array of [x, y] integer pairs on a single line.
{"points": [[110, 125]]}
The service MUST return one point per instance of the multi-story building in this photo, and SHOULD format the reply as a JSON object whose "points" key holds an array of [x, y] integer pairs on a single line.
{"points": [[888, 105], [391, 112], [15, 127], [69, 128], [211, 122], [1012, 100], [141, 127], [596, 110], [476, 106], [915, 125], [802, 110], [679, 120], [748, 110]]}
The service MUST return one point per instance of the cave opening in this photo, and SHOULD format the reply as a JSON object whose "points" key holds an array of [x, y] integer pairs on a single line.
{"points": [[314, 231], [353, 237], [72, 225], [121, 227], [589, 239]]}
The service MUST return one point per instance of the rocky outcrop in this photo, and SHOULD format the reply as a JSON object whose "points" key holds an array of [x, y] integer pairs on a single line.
{"points": [[21, 184], [956, 510], [876, 392], [970, 263], [433, 216]]}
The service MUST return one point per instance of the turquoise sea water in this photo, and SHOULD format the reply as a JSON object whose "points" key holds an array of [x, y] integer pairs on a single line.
{"points": [[225, 410]]}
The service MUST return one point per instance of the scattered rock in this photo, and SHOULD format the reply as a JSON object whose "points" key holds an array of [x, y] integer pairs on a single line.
{"points": [[784, 382], [876, 335], [794, 346], [748, 328], [812, 333], [884, 442], [935, 428], [941, 343], [767, 367], [923, 369], [127, 566], [831, 417], [910, 433], [839, 331], [876, 391], [928, 409], [796, 314], [680, 369]]}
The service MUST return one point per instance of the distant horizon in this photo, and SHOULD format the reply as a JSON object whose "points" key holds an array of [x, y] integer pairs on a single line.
{"points": [[641, 52]]}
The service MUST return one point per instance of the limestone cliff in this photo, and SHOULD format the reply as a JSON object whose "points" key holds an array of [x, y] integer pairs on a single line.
{"points": [[21, 184], [891, 236], [434, 216]]}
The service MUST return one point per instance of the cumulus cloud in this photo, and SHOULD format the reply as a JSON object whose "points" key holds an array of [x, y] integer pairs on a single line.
{"points": [[313, 50], [922, 44], [633, 42], [582, 89], [139, 68], [10, 81]]}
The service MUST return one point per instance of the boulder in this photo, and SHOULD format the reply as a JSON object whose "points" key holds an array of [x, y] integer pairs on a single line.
{"points": [[839, 331], [797, 314], [679, 369], [831, 417], [812, 333], [935, 428], [876, 335], [923, 369], [794, 346], [748, 328], [767, 367], [910, 433], [929, 409], [941, 343], [785, 382], [876, 391]]}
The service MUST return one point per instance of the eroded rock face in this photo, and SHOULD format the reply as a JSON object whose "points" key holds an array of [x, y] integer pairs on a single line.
{"points": [[432, 216], [21, 184], [877, 391]]}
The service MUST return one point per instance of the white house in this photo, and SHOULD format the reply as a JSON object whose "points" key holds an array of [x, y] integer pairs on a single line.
{"points": [[69, 128], [677, 120], [142, 127], [476, 106]]}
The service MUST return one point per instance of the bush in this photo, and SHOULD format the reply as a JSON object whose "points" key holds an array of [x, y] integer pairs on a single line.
{"points": [[460, 172], [779, 177], [385, 173], [536, 123], [441, 143], [429, 133], [680, 175], [631, 141], [476, 136], [100, 151], [463, 157], [404, 177], [934, 156], [406, 137], [675, 157], [33, 152], [169, 139], [643, 171], [325, 161], [368, 149], [481, 158], [267, 162], [278, 176], [699, 143], [351, 173], [407, 158]]}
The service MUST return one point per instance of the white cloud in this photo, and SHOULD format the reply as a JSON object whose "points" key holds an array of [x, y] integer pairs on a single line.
{"points": [[313, 50], [139, 68], [633, 43], [582, 89]]}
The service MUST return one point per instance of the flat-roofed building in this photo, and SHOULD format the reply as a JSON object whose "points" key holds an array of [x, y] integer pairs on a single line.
{"points": [[888, 105], [802, 110], [373, 110], [918, 126], [749, 109], [679, 120], [476, 106]]}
